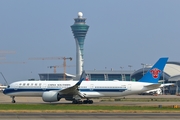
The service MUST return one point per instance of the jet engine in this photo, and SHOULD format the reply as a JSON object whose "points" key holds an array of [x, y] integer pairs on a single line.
{"points": [[51, 96]]}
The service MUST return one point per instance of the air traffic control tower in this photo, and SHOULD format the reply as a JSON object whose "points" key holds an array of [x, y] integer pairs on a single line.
{"points": [[79, 29]]}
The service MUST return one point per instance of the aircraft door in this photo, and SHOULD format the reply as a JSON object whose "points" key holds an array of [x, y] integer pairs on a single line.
{"points": [[16, 86], [129, 87], [91, 87], [44, 86]]}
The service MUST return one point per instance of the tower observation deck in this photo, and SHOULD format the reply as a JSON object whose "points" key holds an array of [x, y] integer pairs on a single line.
{"points": [[79, 30]]}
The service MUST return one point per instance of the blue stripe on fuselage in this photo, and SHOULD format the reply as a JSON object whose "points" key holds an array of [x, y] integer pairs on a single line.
{"points": [[102, 90], [12, 90]]}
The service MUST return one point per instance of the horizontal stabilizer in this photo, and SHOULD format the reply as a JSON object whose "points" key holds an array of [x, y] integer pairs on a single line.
{"points": [[152, 86]]}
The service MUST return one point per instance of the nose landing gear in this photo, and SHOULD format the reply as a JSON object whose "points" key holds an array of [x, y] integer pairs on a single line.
{"points": [[13, 99]]}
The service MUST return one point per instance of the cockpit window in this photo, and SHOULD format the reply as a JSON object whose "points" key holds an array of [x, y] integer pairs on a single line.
{"points": [[8, 86]]}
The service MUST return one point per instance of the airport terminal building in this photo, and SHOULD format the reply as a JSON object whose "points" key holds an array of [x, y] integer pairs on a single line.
{"points": [[171, 75]]}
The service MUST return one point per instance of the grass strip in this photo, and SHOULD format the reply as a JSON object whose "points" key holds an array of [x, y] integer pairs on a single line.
{"points": [[67, 107]]}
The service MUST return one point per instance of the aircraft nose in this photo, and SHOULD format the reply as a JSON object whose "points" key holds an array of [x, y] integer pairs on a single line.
{"points": [[4, 91]]}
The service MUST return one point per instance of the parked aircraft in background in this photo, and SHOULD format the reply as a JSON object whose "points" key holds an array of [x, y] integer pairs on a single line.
{"points": [[157, 91], [2, 87], [53, 91]]}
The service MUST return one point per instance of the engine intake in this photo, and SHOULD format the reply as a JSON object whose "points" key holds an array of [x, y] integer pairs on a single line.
{"points": [[51, 96]]}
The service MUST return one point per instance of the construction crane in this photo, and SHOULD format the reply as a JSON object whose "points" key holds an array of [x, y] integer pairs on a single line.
{"points": [[55, 58], [4, 52], [58, 66], [12, 62], [7, 52]]}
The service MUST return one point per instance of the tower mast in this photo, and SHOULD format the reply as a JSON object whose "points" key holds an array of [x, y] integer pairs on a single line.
{"points": [[79, 30]]}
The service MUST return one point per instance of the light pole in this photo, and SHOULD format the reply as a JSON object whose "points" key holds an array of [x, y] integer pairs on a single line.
{"points": [[163, 83], [143, 67], [130, 70], [130, 66], [48, 72], [122, 74]]}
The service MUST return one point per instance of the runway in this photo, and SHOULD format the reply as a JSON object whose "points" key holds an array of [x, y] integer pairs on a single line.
{"points": [[91, 116], [34, 100], [88, 116]]}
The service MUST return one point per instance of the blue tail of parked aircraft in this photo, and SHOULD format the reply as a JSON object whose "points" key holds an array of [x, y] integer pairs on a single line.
{"points": [[154, 74]]}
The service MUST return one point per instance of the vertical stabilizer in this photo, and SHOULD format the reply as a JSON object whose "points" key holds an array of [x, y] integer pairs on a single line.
{"points": [[154, 74]]}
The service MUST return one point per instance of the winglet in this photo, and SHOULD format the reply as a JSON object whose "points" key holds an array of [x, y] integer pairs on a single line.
{"points": [[154, 74], [83, 75]]}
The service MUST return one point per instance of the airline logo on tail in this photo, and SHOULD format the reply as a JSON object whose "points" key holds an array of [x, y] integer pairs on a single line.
{"points": [[155, 73]]}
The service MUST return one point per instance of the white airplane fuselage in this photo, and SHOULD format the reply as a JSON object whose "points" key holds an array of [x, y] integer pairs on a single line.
{"points": [[53, 91], [89, 89]]}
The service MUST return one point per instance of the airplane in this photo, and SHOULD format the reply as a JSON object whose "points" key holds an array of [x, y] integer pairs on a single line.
{"points": [[2, 87], [157, 91], [75, 91]]}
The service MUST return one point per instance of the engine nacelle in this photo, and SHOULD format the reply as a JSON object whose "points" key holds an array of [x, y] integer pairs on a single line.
{"points": [[51, 96]]}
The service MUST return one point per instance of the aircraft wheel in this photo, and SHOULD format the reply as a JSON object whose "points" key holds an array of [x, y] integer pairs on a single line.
{"points": [[13, 101], [80, 102], [90, 101], [85, 102], [74, 101], [77, 102]]}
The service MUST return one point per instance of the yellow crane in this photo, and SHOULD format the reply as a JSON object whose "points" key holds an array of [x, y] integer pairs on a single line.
{"points": [[59, 66], [55, 58], [4, 52]]}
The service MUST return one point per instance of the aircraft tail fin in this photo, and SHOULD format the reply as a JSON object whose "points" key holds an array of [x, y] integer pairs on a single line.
{"points": [[83, 76], [154, 74]]}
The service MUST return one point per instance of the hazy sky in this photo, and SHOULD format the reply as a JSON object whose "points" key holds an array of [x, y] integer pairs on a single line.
{"points": [[121, 33]]}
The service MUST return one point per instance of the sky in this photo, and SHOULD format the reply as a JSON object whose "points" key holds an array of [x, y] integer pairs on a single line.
{"points": [[121, 33]]}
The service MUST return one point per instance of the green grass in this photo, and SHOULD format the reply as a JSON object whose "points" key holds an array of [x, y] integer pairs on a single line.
{"points": [[65, 107]]}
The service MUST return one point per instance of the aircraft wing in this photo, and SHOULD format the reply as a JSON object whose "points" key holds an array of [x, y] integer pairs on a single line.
{"points": [[73, 90], [70, 90]]}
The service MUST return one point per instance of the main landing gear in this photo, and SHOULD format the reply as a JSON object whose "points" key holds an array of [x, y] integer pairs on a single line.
{"points": [[82, 102], [88, 101], [13, 100]]}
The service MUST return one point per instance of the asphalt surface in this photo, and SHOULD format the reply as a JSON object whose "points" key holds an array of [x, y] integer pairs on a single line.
{"points": [[91, 116], [28, 100], [88, 116]]}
